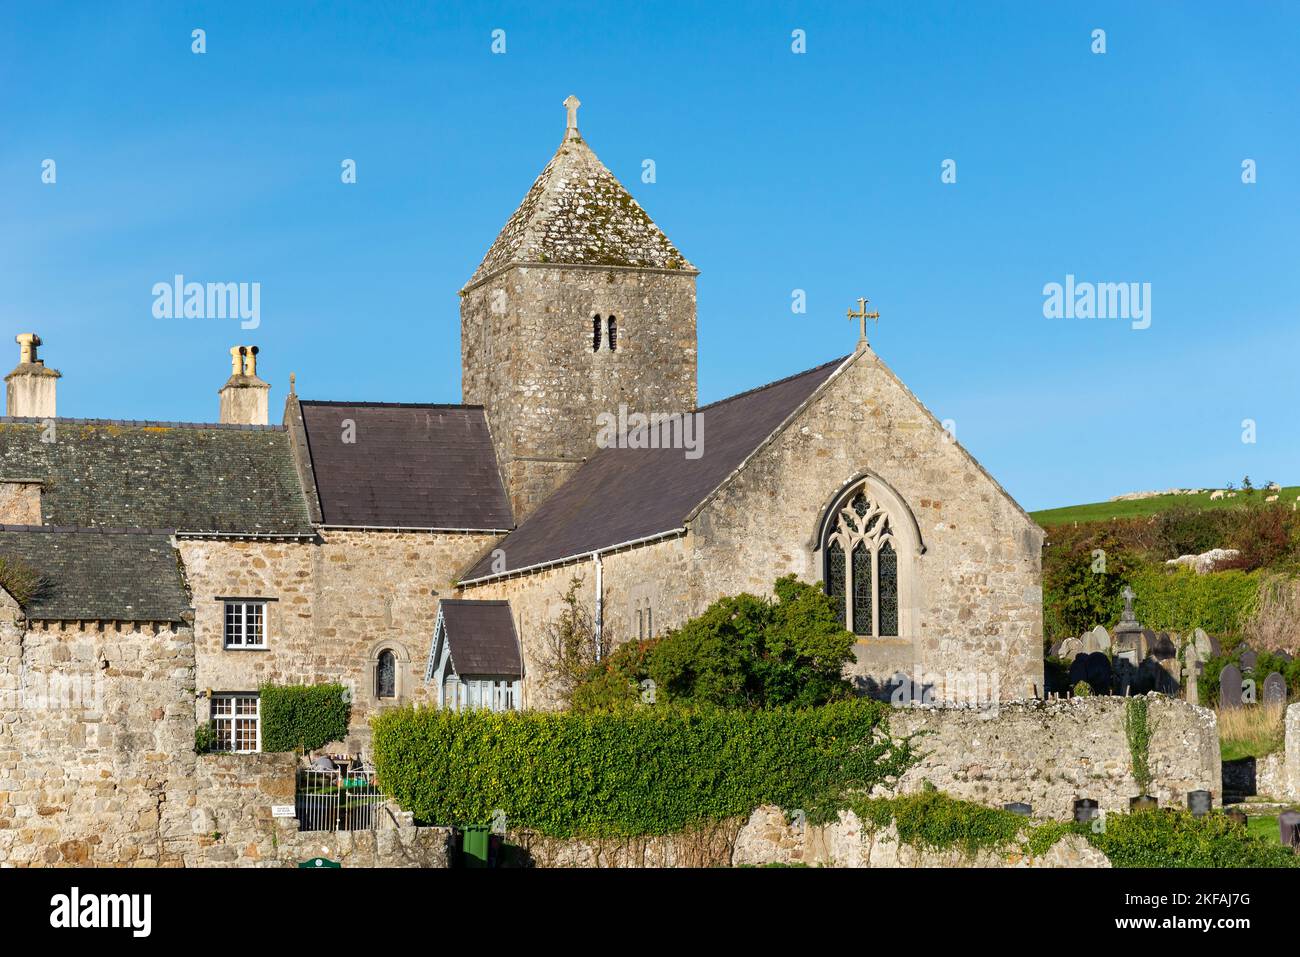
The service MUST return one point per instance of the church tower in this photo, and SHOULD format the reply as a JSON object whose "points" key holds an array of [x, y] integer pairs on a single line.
{"points": [[581, 305]]}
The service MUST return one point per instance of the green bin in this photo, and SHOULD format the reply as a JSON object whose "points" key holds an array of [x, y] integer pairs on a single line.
{"points": [[474, 844]]}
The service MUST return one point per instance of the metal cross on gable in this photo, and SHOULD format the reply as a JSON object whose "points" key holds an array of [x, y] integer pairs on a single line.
{"points": [[862, 316]]}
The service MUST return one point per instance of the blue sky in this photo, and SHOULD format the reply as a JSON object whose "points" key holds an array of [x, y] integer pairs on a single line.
{"points": [[775, 171]]}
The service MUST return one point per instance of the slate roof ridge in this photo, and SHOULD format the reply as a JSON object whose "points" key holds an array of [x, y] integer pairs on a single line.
{"points": [[143, 423], [775, 382], [395, 405], [474, 601]]}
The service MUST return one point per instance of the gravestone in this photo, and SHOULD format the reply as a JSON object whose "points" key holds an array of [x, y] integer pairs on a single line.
{"points": [[1163, 648], [1126, 678], [1096, 640], [1207, 645], [1191, 673], [1153, 677], [1230, 687], [1236, 815], [1019, 807], [1247, 659], [1098, 672], [1199, 802], [1078, 670], [1274, 689], [1055, 650], [1071, 648], [1288, 823]]}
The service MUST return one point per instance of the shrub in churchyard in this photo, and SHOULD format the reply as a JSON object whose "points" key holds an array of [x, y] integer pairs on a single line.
{"points": [[742, 651], [303, 717]]}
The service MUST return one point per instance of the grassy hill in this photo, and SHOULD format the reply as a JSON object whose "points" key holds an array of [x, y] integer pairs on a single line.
{"points": [[1105, 511]]}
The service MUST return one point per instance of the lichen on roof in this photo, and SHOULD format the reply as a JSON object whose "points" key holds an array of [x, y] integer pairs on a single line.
{"points": [[577, 212]]}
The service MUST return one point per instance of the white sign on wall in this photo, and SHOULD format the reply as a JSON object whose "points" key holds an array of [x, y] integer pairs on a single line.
{"points": [[283, 810]]}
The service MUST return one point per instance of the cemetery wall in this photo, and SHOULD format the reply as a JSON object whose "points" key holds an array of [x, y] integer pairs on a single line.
{"points": [[232, 823], [1048, 753]]}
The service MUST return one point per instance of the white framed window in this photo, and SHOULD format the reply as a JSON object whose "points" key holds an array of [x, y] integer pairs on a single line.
{"points": [[245, 624], [487, 694], [237, 720]]}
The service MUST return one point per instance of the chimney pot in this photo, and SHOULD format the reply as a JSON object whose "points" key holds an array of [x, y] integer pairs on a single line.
{"points": [[244, 396], [30, 388]]}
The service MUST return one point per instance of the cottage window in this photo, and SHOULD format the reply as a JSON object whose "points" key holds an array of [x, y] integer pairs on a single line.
{"points": [[861, 566], [245, 624], [386, 675], [237, 720]]}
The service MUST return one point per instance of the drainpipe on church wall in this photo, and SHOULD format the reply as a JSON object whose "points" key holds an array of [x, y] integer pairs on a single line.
{"points": [[600, 601]]}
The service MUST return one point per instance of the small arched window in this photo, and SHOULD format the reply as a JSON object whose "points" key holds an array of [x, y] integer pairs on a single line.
{"points": [[386, 675], [613, 333], [595, 334]]}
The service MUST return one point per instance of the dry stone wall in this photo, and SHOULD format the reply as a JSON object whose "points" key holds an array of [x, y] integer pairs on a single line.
{"points": [[1047, 753]]}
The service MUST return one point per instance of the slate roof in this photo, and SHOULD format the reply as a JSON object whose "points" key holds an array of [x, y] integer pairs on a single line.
{"points": [[411, 466], [98, 576], [578, 212], [623, 494], [482, 637], [159, 475]]}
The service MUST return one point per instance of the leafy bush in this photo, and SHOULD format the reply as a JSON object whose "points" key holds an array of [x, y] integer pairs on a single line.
{"points": [[934, 820], [303, 717], [1266, 537], [632, 772], [1190, 531], [1082, 586], [741, 651], [1174, 838], [205, 738]]}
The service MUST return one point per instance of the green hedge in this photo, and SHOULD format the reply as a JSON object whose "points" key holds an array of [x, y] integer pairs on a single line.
{"points": [[647, 771], [303, 717], [1174, 838], [1181, 600]]}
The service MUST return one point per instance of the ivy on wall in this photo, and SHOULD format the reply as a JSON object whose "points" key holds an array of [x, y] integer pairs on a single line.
{"points": [[303, 717]]}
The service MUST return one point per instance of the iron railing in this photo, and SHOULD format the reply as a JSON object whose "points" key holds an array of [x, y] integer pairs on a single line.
{"points": [[337, 800]]}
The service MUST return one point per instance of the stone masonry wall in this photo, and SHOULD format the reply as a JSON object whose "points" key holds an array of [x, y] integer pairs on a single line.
{"points": [[526, 347], [96, 746], [331, 609], [1047, 753], [232, 824]]}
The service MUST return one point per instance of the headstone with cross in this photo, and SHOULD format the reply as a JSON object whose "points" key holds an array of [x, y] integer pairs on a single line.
{"points": [[862, 316]]}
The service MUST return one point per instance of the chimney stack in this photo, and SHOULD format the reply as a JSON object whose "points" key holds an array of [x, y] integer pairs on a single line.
{"points": [[29, 389], [244, 396]]}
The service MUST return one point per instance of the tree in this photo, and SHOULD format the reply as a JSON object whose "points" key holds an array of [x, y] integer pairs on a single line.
{"points": [[569, 645]]}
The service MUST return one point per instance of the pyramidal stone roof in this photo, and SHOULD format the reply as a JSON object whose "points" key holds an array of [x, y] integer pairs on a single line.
{"points": [[578, 213]]}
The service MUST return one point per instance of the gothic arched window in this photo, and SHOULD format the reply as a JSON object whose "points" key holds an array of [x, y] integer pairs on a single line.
{"points": [[613, 333], [595, 334], [386, 675], [862, 566]]}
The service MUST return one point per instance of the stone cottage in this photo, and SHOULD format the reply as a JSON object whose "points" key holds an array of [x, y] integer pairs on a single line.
{"points": [[416, 552]]}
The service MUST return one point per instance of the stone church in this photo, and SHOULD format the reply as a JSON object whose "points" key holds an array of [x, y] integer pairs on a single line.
{"points": [[416, 552]]}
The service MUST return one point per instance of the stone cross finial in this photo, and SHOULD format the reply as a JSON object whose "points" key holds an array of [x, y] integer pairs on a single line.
{"points": [[27, 343], [1129, 595], [862, 316], [571, 103]]}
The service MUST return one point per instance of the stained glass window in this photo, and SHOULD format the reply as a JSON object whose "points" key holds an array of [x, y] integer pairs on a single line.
{"points": [[861, 590], [862, 567], [386, 675], [887, 565], [835, 578]]}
